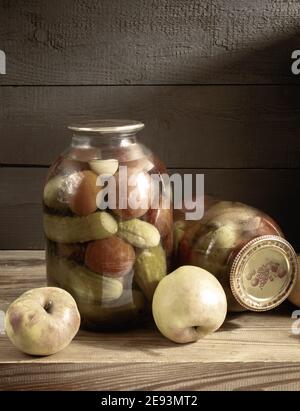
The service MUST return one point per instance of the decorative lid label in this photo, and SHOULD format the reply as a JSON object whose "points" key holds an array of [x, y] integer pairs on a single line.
{"points": [[266, 273]]}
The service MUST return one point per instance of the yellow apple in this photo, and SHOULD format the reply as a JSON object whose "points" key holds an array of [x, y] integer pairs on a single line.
{"points": [[188, 304], [42, 321]]}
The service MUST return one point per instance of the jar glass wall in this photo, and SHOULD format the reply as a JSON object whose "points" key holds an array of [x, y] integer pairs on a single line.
{"points": [[244, 248], [110, 255]]}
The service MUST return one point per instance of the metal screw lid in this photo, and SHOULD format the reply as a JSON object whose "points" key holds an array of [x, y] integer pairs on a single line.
{"points": [[263, 273], [108, 126]]}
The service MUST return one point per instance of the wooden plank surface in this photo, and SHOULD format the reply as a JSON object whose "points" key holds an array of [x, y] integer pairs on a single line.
{"points": [[274, 191], [148, 42], [149, 377], [250, 351], [213, 126]]}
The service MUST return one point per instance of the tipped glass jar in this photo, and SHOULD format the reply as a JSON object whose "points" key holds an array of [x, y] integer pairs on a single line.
{"points": [[244, 248], [106, 242]]}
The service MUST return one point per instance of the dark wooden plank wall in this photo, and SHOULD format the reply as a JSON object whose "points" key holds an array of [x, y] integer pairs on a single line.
{"points": [[216, 126], [148, 41], [211, 79]]}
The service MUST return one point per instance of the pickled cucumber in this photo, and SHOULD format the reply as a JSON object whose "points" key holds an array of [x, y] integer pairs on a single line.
{"points": [[150, 268], [217, 244], [139, 233], [83, 283], [130, 306], [95, 226], [178, 227], [58, 190]]}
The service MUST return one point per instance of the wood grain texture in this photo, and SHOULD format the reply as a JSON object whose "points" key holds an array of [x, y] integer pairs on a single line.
{"points": [[19, 272], [253, 351], [274, 191], [185, 376], [187, 126], [148, 41]]}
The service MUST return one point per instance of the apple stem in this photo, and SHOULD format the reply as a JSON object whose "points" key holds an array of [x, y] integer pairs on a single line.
{"points": [[48, 306]]}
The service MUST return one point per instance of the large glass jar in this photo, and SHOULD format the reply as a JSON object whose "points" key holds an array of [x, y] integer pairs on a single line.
{"points": [[109, 255], [244, 248]]}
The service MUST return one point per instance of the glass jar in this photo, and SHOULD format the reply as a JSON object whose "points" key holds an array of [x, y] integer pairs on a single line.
{"points": [[109, 255], [244, 248]]}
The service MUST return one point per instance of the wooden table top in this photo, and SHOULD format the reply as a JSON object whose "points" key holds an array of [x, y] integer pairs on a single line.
{"points": [[251, 351]]}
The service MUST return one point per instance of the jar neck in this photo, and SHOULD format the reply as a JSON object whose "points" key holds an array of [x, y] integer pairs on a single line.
{"points": [[86, 140]]}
